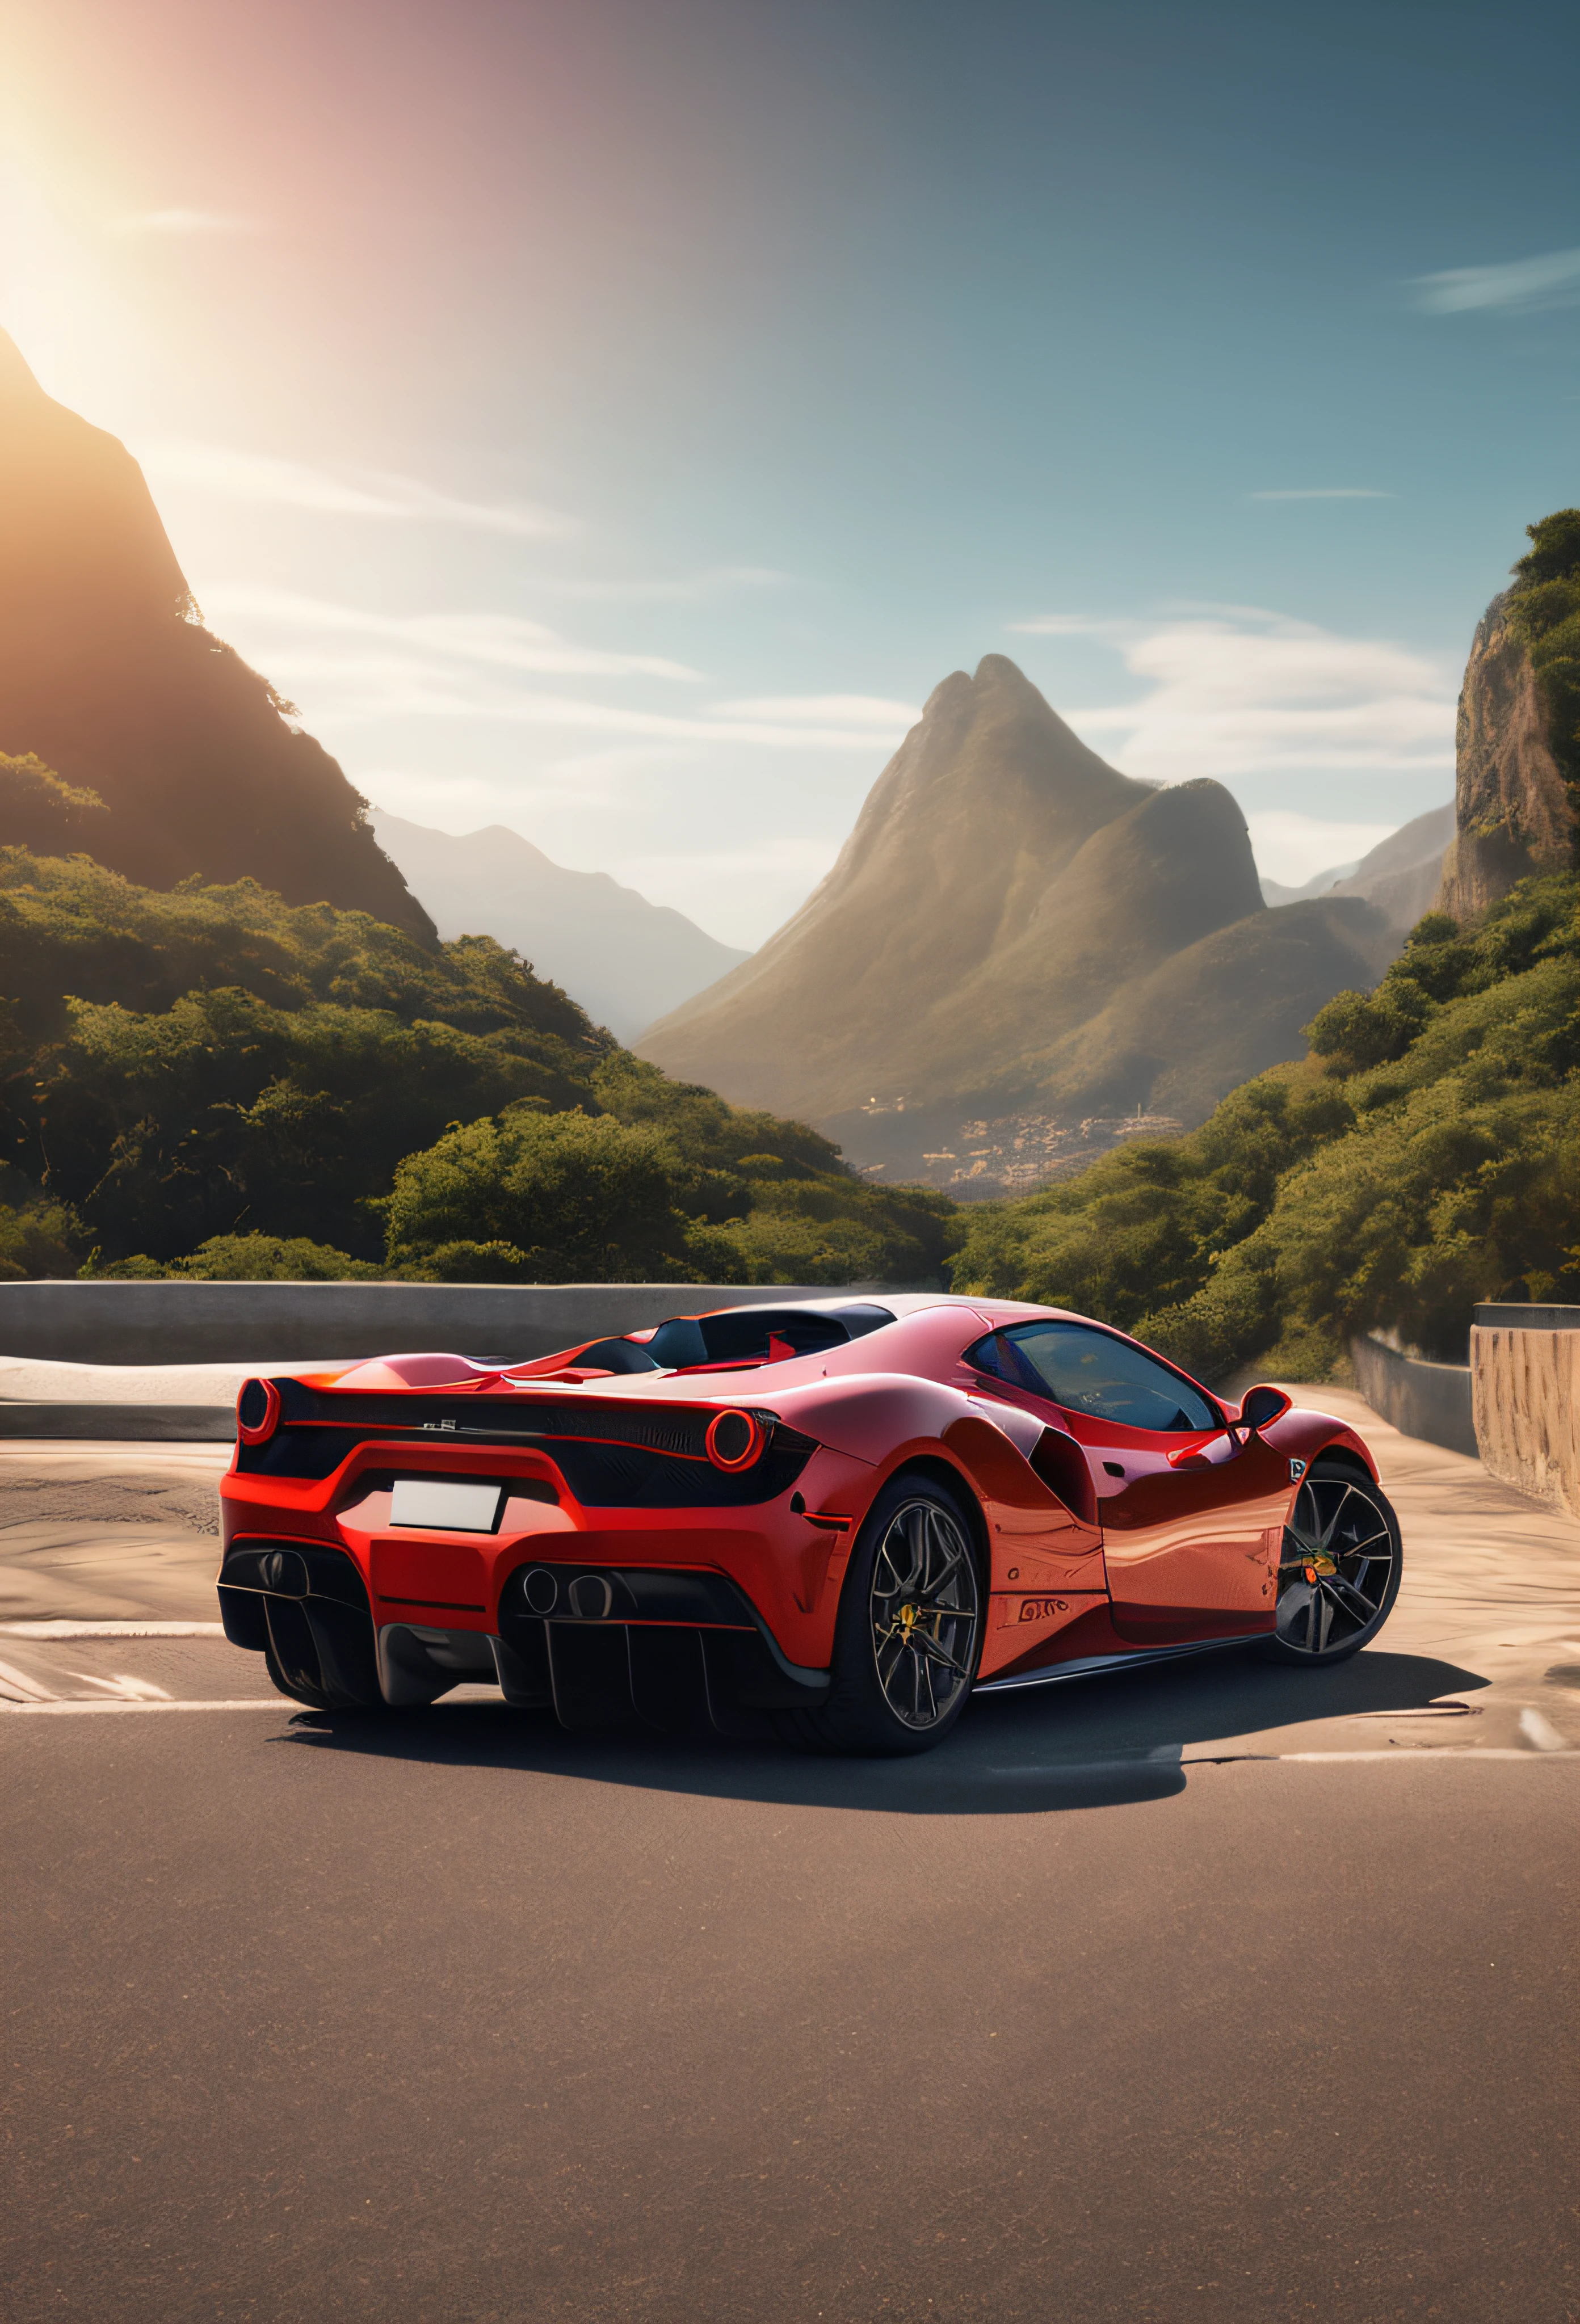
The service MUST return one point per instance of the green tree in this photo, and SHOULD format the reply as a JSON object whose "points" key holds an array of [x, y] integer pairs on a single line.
{"points": [[249, 1259], [37, 810], [546, 1198], [224, 1114], [38, 1238], [828, 1229]]}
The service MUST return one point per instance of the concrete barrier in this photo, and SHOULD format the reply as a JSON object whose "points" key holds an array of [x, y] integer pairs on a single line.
{"points": [[292, 1323], [147, 1423], [1432, 1401], [1525, 1376]]}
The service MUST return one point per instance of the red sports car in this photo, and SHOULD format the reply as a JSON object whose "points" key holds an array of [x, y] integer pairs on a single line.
{"points": [[839, 1518]]}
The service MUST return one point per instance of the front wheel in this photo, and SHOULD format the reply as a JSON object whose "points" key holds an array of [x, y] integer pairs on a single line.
{"points": [[1340, 1567], [908, 1635]]}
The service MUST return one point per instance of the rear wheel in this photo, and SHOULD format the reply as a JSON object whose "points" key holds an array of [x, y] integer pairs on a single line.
{"points": [[1340, 1569], [908, 1635]]}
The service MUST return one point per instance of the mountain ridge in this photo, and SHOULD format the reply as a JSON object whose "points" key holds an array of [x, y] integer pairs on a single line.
{"points": [[626, 959], [1400, 875], [107, 675]]}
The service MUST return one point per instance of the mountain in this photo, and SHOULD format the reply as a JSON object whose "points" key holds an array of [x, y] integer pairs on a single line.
{"points": [[626, 960], [1016, 937], [1400, 876], [1513, 809], [1321, 883], [107, 676]]}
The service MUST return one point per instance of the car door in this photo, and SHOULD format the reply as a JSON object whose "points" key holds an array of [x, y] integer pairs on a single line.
{"points": [[1192, 1514]]}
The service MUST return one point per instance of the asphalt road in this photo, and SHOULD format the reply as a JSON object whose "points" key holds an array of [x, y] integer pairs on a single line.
{"points": [[1226, 1992]]}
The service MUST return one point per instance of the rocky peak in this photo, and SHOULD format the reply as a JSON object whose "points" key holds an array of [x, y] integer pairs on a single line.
{"points": [[85, 542], [1003, 888], [1512, 815], [107, 677], [989, 776]]}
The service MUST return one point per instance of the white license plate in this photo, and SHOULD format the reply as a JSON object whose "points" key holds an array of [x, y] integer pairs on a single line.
{"points": [[442, 1505]]}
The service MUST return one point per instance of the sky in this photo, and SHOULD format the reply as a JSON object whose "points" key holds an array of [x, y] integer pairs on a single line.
{"points": [[612, 417]]}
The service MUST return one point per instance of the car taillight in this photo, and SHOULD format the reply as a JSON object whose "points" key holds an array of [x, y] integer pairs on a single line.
{"points": [[257, 1411], [735, 1439]]}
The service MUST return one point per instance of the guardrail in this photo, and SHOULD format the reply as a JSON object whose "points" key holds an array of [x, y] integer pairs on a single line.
{"points": [[165, 1322], [1419, 1399], [146, 1423], [265, 1326], [1525, 1375]]}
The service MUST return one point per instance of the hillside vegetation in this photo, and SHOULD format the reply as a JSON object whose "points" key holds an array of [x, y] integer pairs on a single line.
{"points": [[208, 1081], [1425, 1156]]}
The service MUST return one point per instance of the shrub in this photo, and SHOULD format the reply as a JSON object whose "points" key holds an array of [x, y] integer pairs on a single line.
{"points": [[574, 1197]]}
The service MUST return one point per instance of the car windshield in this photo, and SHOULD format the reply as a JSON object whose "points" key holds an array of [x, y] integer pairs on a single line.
{"points": [[1093, 1372]]}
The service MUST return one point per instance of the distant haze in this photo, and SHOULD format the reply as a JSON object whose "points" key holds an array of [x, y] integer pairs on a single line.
{"points": [[1400, 875], [626, 960]]}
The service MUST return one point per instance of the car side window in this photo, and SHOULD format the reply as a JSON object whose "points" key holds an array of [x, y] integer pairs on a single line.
{"points": [[1092, 1371]]}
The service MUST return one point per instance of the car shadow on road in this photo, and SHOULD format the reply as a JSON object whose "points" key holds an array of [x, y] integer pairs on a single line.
{"points": [[1102, 1742]]}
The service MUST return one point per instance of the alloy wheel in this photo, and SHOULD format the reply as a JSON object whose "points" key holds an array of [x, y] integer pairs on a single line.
{"points": [[925, 1608], [1337, 1568]]}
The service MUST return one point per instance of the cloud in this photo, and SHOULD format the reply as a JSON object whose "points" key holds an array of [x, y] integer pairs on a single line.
{"points": [[350, 666], [1237, 691], [1072, 625], [797, 858], [459, 802], [827, 709], [1521, 286], [500, 640], [717, 581], [1325, 493], [256, 477], [1294, 848], [189, 224]]}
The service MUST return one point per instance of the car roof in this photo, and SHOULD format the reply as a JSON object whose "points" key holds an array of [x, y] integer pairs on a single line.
{"points": [[897, 1303]]}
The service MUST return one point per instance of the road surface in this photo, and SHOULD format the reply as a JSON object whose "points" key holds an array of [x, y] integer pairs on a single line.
{"points": [[1223, 1992]]}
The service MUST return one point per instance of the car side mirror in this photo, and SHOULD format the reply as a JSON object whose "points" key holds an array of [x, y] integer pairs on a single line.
{"points": [[1261, 1407]]}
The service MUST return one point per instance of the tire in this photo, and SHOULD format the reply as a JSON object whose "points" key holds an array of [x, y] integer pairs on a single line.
{"points": [[908, 1637], [1340, 1571]]}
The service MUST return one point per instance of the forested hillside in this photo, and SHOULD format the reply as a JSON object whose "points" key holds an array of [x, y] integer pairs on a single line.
{"points": [[209, 1079], [1425, 1156]]}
